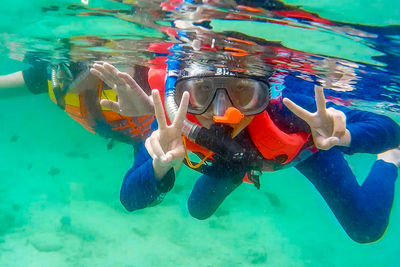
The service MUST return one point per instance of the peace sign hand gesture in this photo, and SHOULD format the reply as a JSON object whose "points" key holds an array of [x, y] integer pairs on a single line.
{"points": [[165, 145], [328, 126], [132, 100]]}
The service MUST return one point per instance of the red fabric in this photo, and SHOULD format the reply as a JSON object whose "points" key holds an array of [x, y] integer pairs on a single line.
{"points": [[271, 141], [160, 48], [302, 15]]}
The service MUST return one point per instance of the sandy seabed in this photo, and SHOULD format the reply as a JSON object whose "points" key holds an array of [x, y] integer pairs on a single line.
{"points": [[59, 206]]}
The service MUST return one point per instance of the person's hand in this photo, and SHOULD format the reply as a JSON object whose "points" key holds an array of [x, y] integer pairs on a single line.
{"points": [[132, 100], [328, 126], [165, 145]]}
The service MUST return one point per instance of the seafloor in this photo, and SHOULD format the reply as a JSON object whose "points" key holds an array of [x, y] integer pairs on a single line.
{"points": [[59, 206]]}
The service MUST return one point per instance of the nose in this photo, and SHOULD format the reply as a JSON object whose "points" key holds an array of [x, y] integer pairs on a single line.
{"points": [[224, 112], [221, 103]]}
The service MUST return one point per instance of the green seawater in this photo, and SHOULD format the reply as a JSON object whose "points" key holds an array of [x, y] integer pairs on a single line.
{"points": [[59, 206], [59, 203]]}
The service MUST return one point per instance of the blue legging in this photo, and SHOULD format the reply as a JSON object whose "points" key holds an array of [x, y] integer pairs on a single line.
{"points": [[363, 211]]}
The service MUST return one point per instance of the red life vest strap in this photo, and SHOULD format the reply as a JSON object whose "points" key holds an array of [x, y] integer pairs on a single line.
{"points": [[272, 141]]}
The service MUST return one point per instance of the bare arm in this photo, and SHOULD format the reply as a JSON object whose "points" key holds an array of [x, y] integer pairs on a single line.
{"points": [[12, 85]]}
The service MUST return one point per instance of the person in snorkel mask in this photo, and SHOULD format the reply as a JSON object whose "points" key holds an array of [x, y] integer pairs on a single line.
{"points": [[229, 120]]}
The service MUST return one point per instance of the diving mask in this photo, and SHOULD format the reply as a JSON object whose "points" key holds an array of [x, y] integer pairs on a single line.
{"points": [[248, 94]]}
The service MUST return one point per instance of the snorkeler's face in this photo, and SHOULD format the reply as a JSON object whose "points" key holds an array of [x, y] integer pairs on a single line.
{"points": [[218, 108], [206, 120]]}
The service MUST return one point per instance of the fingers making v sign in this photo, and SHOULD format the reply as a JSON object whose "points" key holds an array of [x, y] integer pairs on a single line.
{"points": [[165, 144], [328, 125]]}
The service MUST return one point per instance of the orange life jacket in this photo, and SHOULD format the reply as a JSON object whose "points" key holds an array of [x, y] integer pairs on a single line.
{"points": [[84, 107]]}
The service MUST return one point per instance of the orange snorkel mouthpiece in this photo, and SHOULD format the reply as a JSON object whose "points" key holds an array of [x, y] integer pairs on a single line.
{"points": [[232, 116]]}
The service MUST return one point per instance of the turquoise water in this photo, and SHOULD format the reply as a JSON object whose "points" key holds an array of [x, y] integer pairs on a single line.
{"points": [[59, 192]]}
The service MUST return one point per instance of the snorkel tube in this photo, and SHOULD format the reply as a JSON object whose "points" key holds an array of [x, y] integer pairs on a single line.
{"points": [[216, 139], [189, 129]]}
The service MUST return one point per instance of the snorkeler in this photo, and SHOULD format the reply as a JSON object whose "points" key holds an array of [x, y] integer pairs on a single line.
{"points": [[225, 104], [75, 90]]}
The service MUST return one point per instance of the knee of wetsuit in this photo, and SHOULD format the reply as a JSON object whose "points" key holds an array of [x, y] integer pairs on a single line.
{"points": [[365, 230], [197, 210], [366, 238]]}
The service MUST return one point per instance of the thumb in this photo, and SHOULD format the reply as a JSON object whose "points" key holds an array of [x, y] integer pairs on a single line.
{"points": [[114, 106], [176, 154], [169, 159], [327, 143]]}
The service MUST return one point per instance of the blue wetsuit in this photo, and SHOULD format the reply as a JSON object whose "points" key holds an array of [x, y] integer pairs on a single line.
{"points": [[363, 211]]}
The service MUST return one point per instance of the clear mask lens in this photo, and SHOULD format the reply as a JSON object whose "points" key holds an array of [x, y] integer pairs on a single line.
{"points": [[249, 96]]}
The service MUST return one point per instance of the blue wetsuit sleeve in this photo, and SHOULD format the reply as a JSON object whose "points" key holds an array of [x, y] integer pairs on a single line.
{"points": [[140, 188], [370, 132]]}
